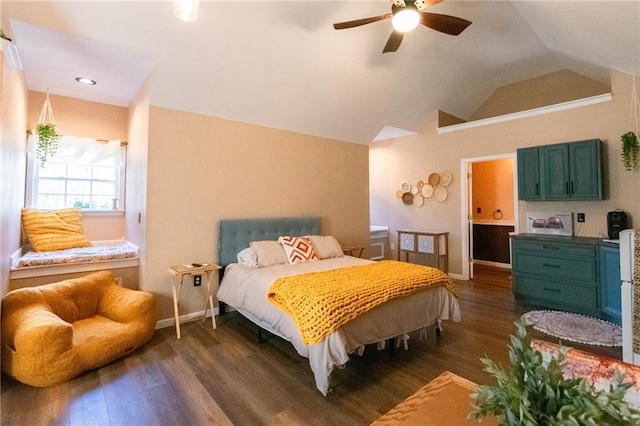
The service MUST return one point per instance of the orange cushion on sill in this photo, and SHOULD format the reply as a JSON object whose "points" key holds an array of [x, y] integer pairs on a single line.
{"points": [[49, 230]]}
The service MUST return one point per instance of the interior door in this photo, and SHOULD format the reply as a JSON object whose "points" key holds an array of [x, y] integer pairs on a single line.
{"points": [[466, 200], [470, 216]]}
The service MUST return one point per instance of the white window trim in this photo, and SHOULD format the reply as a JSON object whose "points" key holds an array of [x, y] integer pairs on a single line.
{"points": [[31, 176]]}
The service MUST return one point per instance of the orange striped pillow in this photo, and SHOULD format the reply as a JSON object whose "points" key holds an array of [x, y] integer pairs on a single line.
{"points": [[49, 230]]}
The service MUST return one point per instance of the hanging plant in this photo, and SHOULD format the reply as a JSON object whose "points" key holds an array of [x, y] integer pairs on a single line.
{"points": [[46, 131], [630, 148], [4, 36], [47, 141], [629, 140]]}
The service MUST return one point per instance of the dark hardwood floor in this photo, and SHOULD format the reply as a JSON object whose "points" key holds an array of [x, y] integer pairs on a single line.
{"points": [[223, 376]]}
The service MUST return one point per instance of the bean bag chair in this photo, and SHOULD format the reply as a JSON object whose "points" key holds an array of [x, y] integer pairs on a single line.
{"points": [[54, 332]]}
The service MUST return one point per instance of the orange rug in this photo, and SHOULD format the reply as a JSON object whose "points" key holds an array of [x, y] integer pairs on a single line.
{"points": [[445, 401]]}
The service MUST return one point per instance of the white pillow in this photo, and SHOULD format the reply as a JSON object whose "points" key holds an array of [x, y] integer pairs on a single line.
{"points": [[247, 257], [326, 247], [268, 253], [298, 249]]}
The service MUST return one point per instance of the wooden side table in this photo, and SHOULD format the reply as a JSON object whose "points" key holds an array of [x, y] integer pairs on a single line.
{"points": [[351, 250], [431, 244], [178, 272]]}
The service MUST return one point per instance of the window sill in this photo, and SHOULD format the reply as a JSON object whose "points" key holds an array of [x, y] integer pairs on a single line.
{"points": [[95, 213]]}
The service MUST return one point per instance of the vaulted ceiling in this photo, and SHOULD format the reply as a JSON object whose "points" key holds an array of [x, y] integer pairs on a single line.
{"points": [[281, 64]]}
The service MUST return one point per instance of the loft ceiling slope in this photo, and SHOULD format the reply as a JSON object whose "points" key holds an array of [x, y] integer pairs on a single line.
{"points": [[285, 66]]}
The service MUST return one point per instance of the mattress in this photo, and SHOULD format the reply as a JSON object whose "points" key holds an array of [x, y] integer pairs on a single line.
{"points": [[245, 289]]}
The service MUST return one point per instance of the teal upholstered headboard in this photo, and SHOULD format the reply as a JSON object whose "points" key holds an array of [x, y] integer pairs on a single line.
{"points": [[236, 234]]}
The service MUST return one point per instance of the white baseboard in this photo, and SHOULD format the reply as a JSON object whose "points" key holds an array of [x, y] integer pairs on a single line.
{"points": [[168, 322], [489, 263]]}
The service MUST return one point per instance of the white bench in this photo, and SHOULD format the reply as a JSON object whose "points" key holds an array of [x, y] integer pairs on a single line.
{"points": [[29, 268]]}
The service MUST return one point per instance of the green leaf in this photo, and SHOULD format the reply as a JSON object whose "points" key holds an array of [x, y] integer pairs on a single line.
{"points": [[533, 391], [47, 141]]}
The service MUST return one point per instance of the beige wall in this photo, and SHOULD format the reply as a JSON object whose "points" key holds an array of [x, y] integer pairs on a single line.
{"points": [[77, 117], [203, 169], [549, 89], [13, 118], [408, 158], [492, 189], [87, 119], [136, 197], [186, 171]]}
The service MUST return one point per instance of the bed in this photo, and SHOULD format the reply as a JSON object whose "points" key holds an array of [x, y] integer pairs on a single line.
{"points": [[245, 289]]}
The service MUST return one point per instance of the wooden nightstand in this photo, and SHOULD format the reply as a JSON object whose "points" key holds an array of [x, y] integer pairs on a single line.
{"points": [[178, 272], [351, 250]]}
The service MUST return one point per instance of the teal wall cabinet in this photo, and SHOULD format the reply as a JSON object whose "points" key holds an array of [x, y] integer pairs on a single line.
{"points": [[529, 174], [565, 171]]}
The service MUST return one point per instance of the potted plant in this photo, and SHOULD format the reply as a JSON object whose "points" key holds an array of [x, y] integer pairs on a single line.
{"points": [[47, 141], [630, 149], [534, 392]]}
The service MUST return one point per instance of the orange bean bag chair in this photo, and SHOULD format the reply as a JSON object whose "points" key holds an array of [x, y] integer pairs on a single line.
{"points": [[54, 332]]}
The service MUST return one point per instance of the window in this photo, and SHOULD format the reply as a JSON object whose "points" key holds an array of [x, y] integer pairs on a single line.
{"points": [[83, 173]]}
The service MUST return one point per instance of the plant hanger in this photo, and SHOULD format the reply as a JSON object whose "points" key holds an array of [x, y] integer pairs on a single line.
{"points": [[46, 131], [630, 145]]}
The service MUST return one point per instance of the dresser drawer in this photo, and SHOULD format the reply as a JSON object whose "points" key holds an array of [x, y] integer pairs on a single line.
{"points": [[564, 296], [556, 267], [555, 249]]}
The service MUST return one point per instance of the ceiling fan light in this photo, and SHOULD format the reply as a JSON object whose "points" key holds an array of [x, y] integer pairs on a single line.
{"points": [[186, 10], [406, 19]]}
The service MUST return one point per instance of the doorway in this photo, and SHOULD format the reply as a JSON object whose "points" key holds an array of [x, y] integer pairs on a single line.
{"points": [[490, 208]]}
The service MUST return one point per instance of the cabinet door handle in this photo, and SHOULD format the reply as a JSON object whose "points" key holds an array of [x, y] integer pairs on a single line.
{"points": [[553, 290], [566, 188], [537, 189], [548, 265], [551, 247]]}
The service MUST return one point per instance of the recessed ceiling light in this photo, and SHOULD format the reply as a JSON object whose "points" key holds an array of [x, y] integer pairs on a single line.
{"points": [[87, 81]]}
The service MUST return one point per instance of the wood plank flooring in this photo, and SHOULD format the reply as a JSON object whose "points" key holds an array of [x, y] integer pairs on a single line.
{"points": [[223, 376]]}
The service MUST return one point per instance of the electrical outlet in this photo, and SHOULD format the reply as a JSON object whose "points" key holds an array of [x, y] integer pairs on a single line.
{"points": [[197, 280], [580, 217], [393, 246], [119, 281]]}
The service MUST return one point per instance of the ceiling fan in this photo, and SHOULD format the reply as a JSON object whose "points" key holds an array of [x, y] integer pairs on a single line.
{"points": [[405, 16]]}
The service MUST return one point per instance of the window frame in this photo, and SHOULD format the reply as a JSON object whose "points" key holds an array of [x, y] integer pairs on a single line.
{"points": [[32, 180]]}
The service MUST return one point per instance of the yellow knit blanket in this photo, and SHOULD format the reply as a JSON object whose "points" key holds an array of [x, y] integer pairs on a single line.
{"points": [[321, 302]]}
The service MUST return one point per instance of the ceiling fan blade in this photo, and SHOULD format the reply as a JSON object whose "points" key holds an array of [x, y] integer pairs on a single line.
{"points": [[394, 42], [444, 23], [358, 22]]}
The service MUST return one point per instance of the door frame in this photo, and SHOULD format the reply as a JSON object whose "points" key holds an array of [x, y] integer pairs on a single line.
{"points": [[467, 213]]}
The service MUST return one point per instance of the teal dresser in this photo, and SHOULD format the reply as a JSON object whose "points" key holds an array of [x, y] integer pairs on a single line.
{"points": [[574, 274]]}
